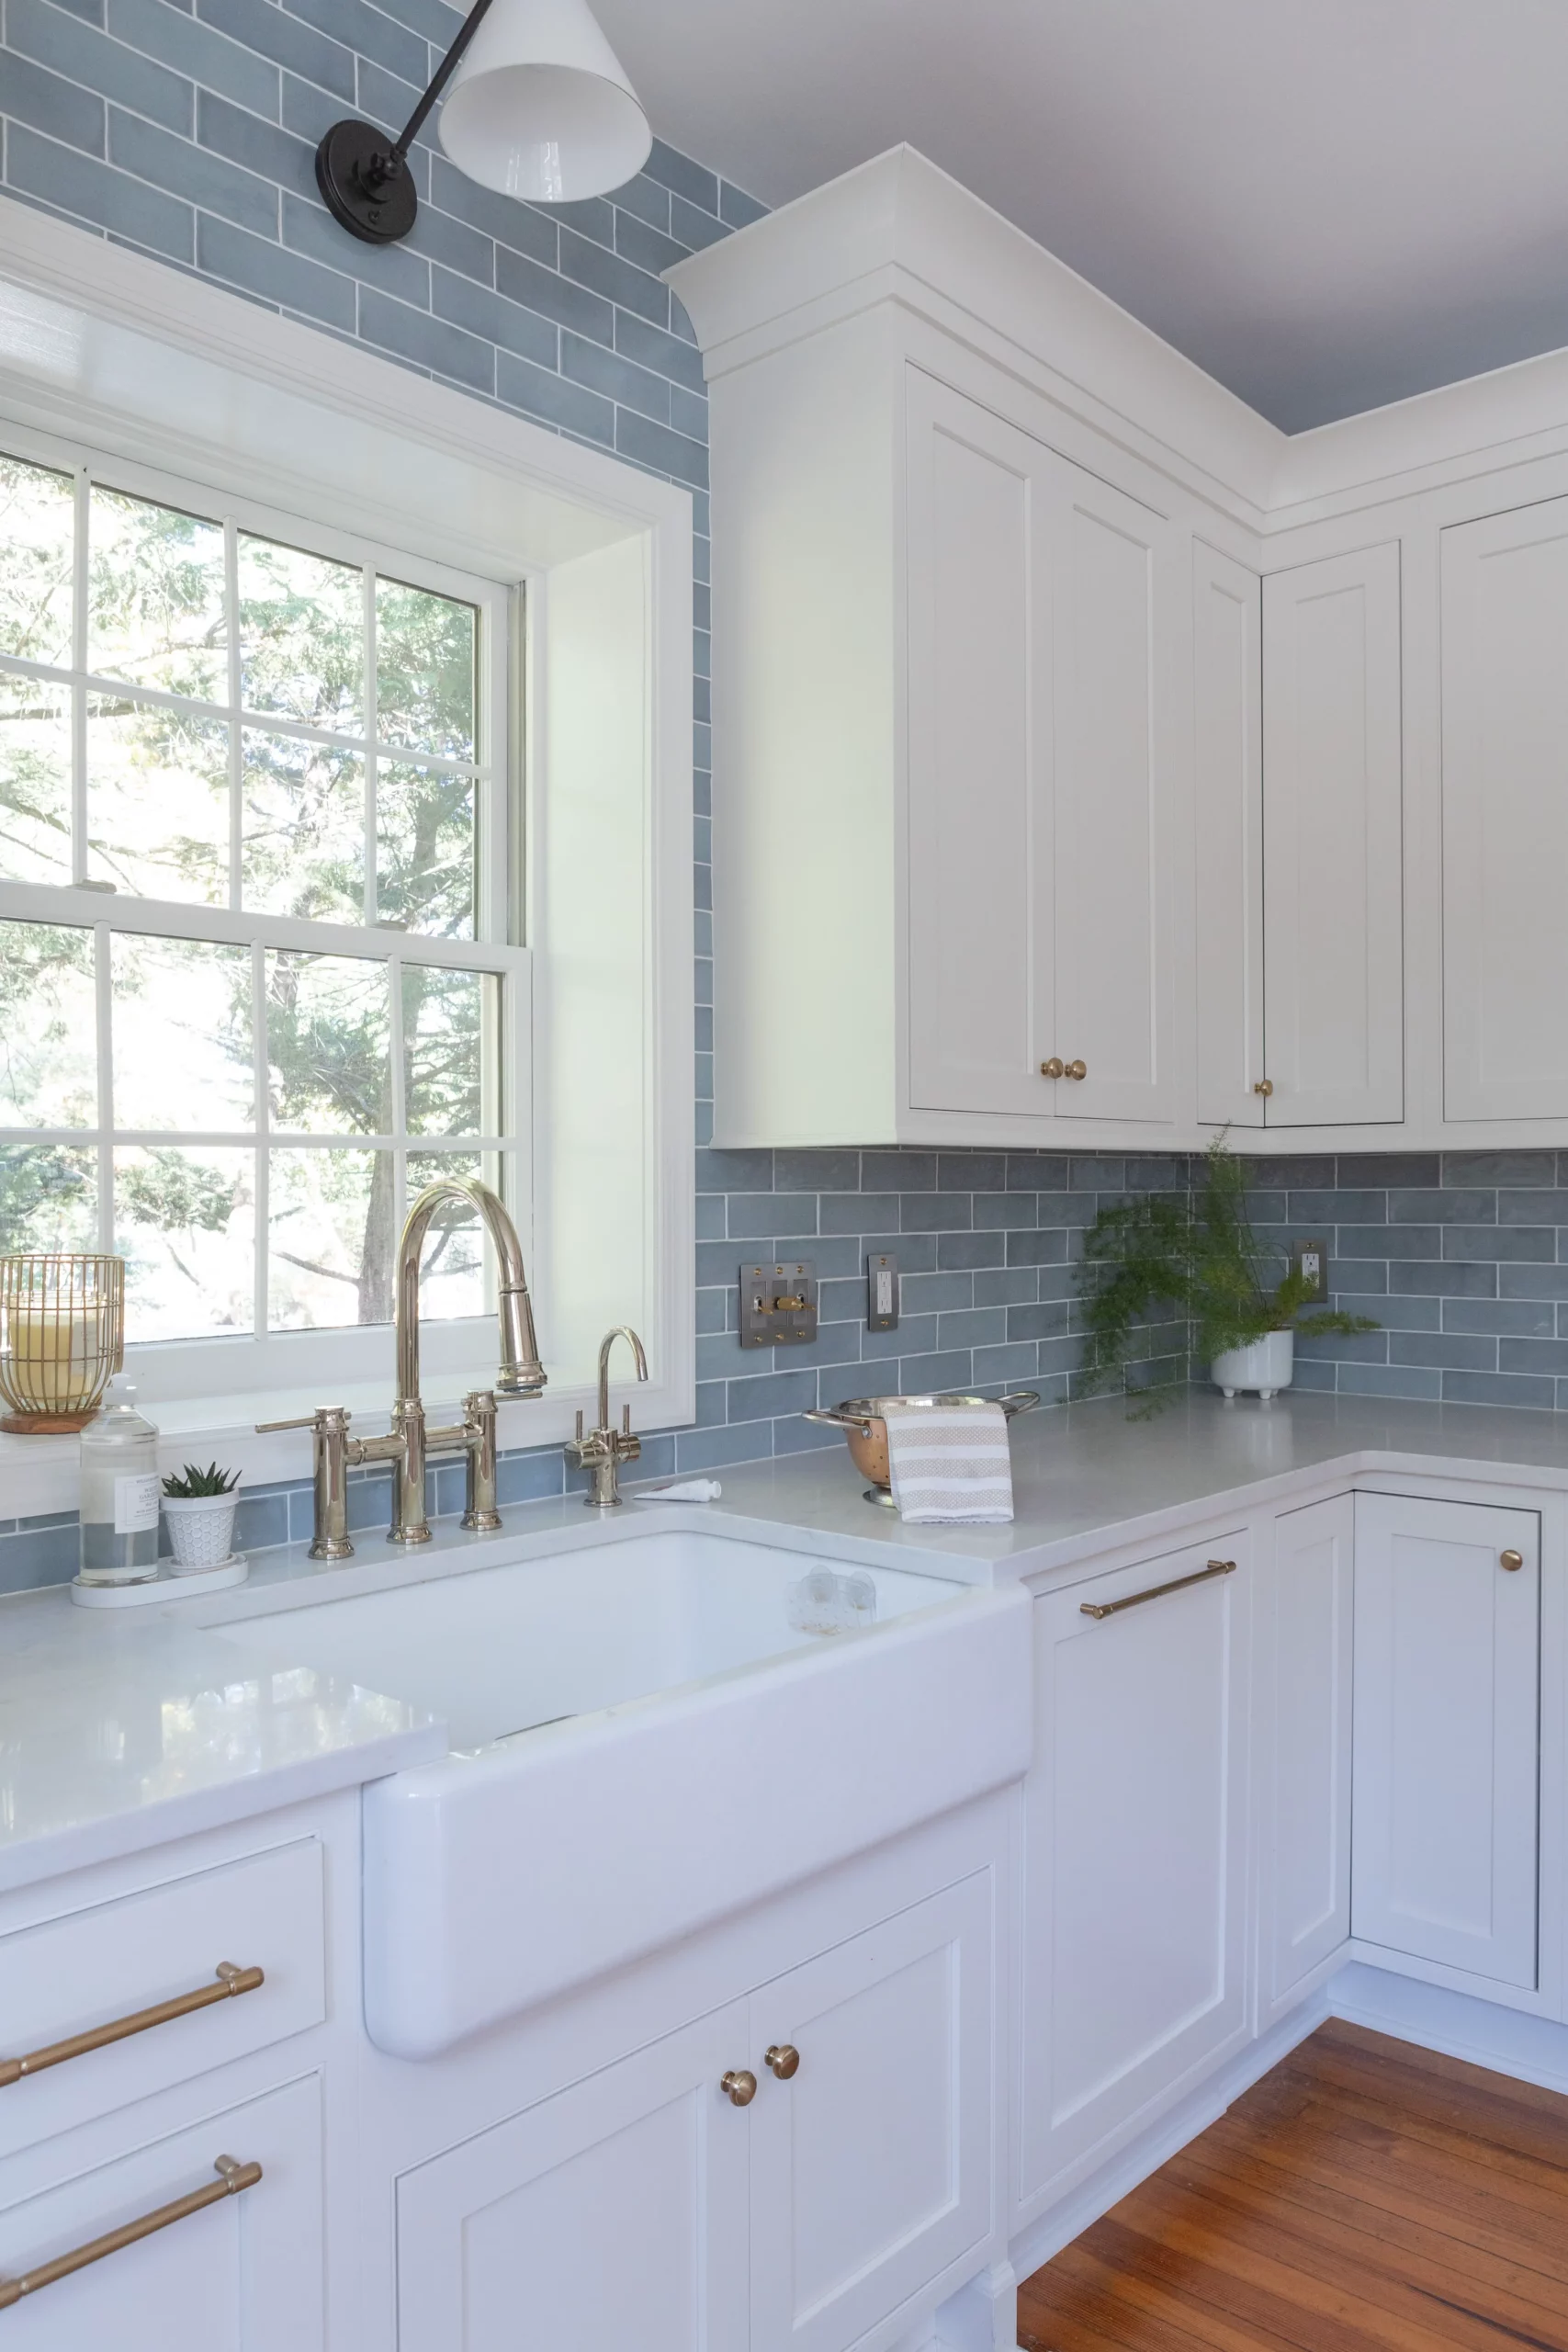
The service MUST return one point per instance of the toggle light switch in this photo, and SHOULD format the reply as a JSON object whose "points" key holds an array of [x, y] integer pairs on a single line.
{"points": [[778, 1304]]}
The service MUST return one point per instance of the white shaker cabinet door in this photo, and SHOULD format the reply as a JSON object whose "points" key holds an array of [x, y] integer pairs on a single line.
{"points": [[614, 2214], [872, 2162], [1505, 686], [1115, 836], [1332, 849], [1227, 744], [1304, 1719], [243, 2273], [1136, 1839], [1447, 1730], [980, 849]]}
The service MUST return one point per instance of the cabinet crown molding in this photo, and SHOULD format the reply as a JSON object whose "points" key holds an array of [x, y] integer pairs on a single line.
{"points": [[900, 228]]}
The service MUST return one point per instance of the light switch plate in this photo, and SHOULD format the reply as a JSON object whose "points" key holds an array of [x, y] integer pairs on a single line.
{"points": [[1311, 1259], [881, 1293], [778, 1304]]}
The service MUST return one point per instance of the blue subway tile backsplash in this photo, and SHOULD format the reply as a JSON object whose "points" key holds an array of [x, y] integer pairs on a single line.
{"points": [[188, 131]]}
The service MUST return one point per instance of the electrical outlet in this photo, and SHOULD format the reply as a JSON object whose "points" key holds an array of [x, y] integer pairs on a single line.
{"points": [[882, 1294], [1310, 1260], [778, 1304]]}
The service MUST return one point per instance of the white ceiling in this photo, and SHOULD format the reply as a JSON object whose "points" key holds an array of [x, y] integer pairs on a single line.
{"points": [[1328, 204]]}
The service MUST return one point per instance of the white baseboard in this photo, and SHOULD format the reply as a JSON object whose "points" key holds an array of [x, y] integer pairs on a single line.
{"points": [[1509, 2041], [1096, 2196]]}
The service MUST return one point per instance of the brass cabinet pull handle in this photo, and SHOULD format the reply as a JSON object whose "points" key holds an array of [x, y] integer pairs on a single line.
{"points": [[1077, 1069], [1264, 1086], [1157, 1592], [234, 2177], [784, 2060], [1055, 1068], [740, 2085], [1511, 1559], [231, 1979]]}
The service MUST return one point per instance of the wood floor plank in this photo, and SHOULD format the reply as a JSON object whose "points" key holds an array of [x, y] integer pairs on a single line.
{"points": [[1308, 2174], [1365, 2196]]}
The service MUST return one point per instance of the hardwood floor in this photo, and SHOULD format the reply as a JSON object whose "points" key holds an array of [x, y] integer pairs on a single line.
{"points": [[1364, 2196]]}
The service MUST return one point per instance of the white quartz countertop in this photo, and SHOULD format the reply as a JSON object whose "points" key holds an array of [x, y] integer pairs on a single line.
{"points": [[120, 1731], [1088, 1476]]}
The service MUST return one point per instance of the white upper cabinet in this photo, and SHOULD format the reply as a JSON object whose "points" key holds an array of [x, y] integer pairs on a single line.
{"points": [[1036, 741], [1037, 923], [1227, 738], [1505, 589], [952, 775], [980, 852], [1333, 890]]}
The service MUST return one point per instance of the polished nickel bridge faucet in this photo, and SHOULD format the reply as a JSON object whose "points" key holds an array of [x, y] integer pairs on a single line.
{"points": [[408, 1444]]}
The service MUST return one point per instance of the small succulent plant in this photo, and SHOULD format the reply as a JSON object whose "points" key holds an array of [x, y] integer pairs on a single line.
{"points": [[192, 1482]]}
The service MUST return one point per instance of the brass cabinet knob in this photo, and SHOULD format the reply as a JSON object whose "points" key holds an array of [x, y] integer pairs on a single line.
{"points": [[1512, 1559], [1053, 1068], [1264, 1086], [784, 2060], [1077, 1069], [739, 2086]]}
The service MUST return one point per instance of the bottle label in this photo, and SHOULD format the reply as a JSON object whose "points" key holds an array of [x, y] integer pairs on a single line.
{"points": [[136, 1503]]}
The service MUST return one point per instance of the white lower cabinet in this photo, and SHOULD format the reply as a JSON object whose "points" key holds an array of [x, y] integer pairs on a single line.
{"points": [[241, 2274], [871, 2165], [1133, 1976], [1303, 1749], [615, 2211], [644, 2199], [1447, 1734]]}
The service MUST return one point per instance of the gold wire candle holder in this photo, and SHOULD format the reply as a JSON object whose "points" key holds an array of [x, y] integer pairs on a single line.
{"points": [[62, 1334]]}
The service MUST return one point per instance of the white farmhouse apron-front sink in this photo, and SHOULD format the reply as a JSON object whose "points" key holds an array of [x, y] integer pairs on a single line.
{"points": [[641, 1746]]}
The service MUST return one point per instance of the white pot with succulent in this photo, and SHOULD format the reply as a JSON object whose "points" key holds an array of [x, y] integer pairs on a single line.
{"points": [[199, 1506]]}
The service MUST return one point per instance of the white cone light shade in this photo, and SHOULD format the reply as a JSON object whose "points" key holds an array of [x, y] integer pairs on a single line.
{"points": [[540, 107]]}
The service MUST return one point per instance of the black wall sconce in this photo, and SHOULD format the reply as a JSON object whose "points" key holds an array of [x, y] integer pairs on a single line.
{"points": [[540, 110]]}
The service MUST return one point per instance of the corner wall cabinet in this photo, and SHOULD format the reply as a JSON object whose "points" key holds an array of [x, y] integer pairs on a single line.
{"points": [[1505, 590], [1017, 766]]}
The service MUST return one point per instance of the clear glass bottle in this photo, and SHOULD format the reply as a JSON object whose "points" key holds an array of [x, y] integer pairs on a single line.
{"points": [[119, 1492]]}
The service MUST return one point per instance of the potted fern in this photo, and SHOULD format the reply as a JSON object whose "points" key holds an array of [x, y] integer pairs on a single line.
{"points": [[1196, 1255], [199, 1506]]}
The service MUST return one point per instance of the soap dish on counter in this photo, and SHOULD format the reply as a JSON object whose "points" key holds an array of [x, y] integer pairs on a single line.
{"points": [[165, 1586]]}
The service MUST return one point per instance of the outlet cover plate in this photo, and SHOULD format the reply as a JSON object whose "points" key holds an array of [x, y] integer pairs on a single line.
{"points": [[881, 1293], [778, 1304], [1311, 1257]]}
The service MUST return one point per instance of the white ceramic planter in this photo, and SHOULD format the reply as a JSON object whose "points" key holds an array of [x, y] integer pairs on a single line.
{"points": [[201, 1529], [1268, 1365]]}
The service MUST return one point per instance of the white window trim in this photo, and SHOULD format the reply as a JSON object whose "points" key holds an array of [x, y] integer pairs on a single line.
{"points": [[174, 377]]}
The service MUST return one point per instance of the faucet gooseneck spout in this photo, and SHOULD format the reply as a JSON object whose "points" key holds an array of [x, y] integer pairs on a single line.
{"points": [[520, 1373]]}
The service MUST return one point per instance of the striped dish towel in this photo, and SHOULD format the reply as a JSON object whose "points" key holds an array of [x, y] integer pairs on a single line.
{"points": [[949, 1461]]}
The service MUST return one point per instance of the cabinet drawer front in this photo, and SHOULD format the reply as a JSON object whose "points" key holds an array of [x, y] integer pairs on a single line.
{"points": [[67, 1980], [241, 2274]]}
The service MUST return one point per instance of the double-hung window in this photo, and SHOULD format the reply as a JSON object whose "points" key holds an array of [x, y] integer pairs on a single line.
{"points": [[256, 986]]}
